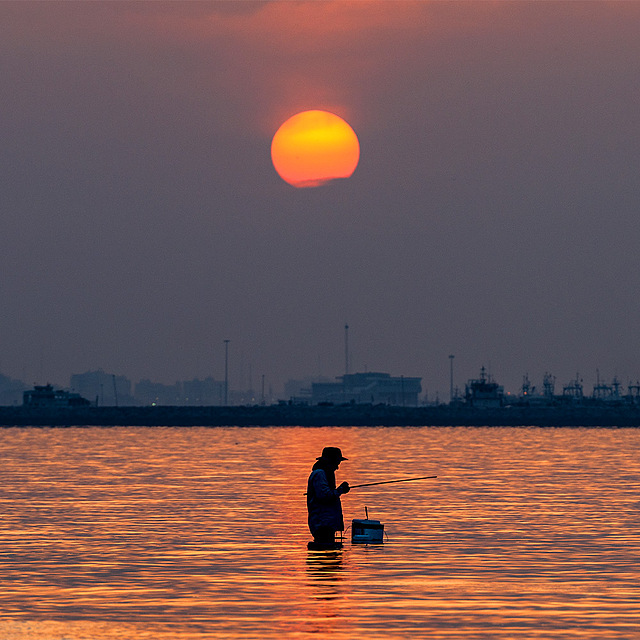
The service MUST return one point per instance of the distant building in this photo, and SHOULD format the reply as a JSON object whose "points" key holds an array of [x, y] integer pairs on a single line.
{"points": [[299, 391], [47, 396], [11, 391], [202, 392], [368, 388], [155, 393], [191, 393], [105, 389]]}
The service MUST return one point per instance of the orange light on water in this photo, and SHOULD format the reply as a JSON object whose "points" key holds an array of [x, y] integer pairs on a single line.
{"points": [[314, 147]]}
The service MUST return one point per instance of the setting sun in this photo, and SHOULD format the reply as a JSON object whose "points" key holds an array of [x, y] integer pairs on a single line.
{"points": [[314, 147]]}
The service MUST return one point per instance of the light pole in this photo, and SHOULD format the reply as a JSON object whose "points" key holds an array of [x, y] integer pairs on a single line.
{"points": [[346, 349], [451, 378], [226, 372]]}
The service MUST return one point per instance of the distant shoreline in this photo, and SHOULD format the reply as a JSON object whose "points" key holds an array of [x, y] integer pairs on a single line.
{"points": [[316, 416]]}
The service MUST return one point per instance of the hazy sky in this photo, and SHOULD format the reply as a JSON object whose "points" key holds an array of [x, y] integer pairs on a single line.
{"points": [[493, 215]]}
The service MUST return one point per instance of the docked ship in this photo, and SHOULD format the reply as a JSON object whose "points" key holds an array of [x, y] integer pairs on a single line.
{"points": [[484, 392], [47, 396]]}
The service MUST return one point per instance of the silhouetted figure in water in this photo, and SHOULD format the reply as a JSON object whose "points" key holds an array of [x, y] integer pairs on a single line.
{"points": [[323, 499]]}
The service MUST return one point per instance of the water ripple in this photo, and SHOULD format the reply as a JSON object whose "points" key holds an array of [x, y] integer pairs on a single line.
{"points": [[119, 533]]}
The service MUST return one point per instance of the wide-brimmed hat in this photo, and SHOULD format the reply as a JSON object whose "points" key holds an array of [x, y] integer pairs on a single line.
{"points": [[332, 453]]}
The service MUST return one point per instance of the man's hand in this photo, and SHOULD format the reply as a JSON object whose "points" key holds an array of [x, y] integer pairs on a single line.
{"points": [[344, 488]]}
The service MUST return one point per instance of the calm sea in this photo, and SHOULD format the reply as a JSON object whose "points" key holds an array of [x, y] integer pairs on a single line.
{"points": [[190, 533]]}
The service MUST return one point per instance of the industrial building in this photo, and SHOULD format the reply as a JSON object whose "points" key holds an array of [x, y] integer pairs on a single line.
{"points": [[368, 388]]}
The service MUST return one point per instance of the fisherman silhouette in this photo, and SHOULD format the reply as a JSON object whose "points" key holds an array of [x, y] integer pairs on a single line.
{"points": [[323, 499]]}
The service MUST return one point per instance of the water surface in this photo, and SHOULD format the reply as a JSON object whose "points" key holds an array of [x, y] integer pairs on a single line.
{"points": [[188, 533]]}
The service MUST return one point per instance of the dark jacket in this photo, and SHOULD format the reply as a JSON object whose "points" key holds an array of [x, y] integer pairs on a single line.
{"points": [[323, 501]]}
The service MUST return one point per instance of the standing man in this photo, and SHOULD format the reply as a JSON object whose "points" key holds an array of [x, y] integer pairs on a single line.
{"points": [[323, 499]]}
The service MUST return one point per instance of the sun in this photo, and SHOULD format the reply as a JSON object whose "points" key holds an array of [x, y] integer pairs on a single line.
{"points": [[313, 148]]}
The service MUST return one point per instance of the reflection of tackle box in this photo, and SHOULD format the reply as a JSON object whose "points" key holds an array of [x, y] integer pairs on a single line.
{"points": [[370, 531]]}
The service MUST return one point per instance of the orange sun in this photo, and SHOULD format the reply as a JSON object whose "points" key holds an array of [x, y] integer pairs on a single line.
{"points": [[314, 147]]}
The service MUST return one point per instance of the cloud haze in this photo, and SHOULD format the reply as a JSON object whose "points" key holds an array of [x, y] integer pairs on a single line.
{"points": [[493, 214]]}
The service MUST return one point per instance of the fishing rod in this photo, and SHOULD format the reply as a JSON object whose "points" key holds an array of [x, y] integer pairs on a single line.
{"points": [[371, 484]]}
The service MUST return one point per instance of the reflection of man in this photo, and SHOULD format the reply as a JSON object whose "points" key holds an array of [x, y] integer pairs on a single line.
{"points": [[324, 570], [323, 499]]}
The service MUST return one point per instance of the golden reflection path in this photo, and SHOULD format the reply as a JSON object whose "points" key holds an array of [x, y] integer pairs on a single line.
{"points": [[186, 533]]}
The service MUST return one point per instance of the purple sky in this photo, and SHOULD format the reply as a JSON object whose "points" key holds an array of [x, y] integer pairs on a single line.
{"points": [[493, 215]]}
